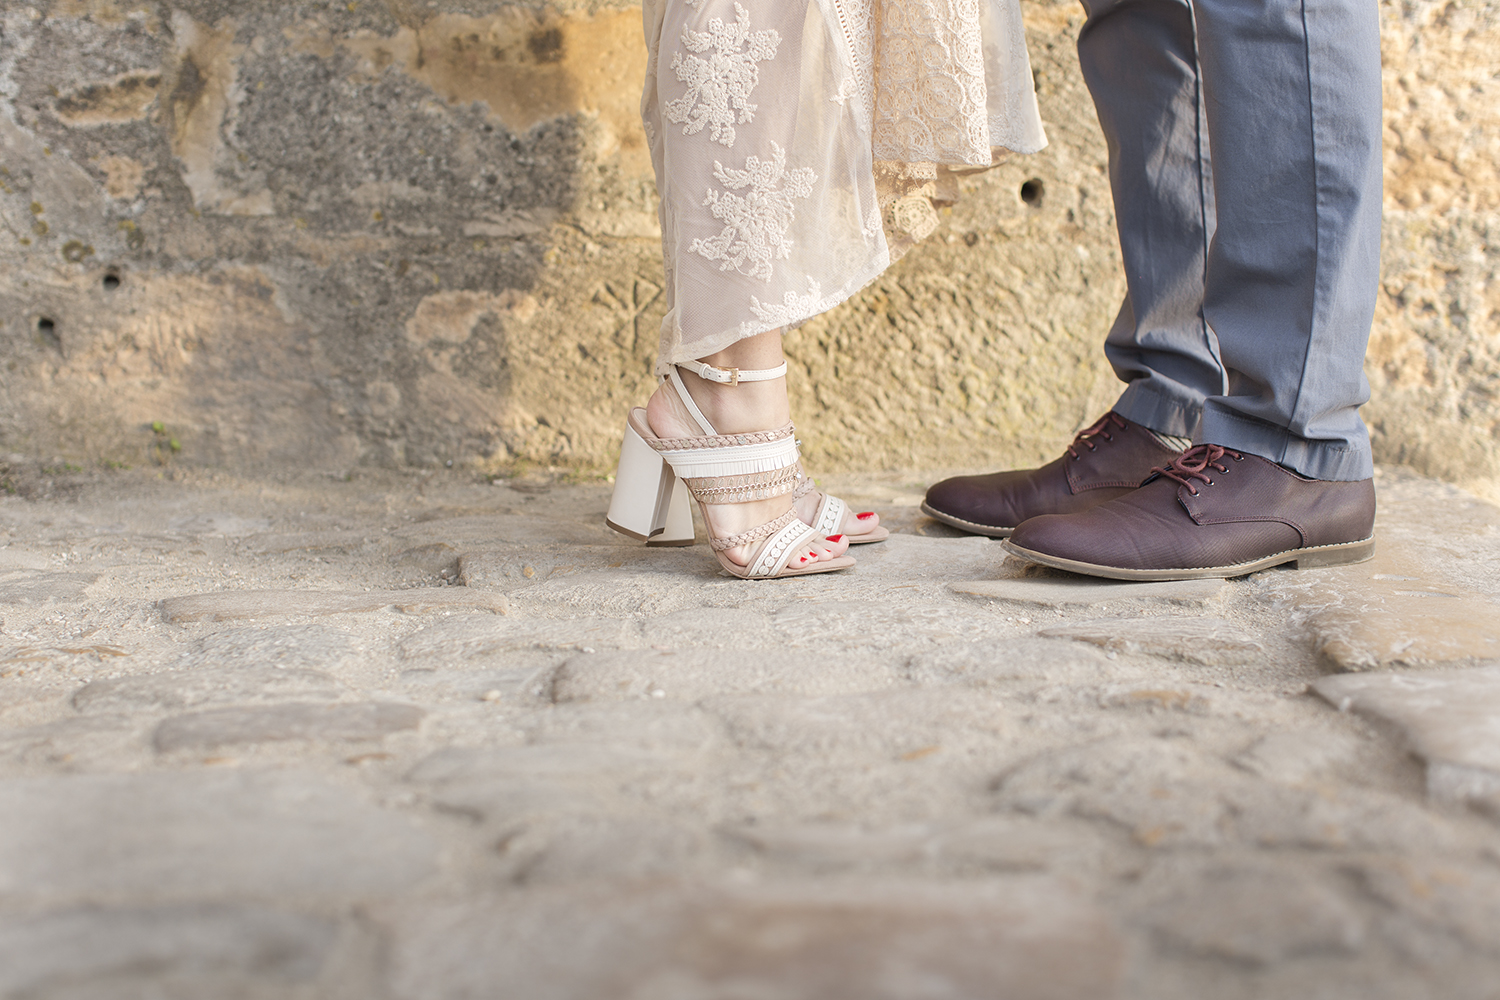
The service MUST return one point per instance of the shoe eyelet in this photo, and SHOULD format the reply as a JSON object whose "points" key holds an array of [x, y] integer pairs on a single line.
{"points": [[1192, 493], [1239, 458], [1210, 482]]}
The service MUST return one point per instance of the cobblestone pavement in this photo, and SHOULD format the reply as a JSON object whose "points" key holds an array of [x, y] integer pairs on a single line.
{"points": [[427, 737]]}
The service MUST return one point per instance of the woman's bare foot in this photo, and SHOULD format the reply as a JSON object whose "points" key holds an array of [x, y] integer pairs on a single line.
{"points": [[738, 409], [853, 524]]}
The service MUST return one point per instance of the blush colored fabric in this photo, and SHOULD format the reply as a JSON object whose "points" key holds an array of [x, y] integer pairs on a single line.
{"points": [[799, 145]]}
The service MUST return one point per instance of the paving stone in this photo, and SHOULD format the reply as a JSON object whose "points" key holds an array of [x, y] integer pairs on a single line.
{"points": [[16, 661], [1260, 915], [219, 727], [999, 663], [1192, 699], [883, 624], [1329, 818], [899, 724], [181, 689], [721, 628], [994, 843], [547, 527], [1072, 591], [478, 637], [1207, 641], [218, 523], [1462, 900], [32, 587], [1151, 787], [117, 952], [1451, 718], [1021, 843], [438, 559], [1295, 757], [75, 742], [691, 674], [521, 566], [321, 543], [232, 605], [209, 836], [1026, 936], [579, 842], [836, 846], [1392, 612], [297, 646], [504, 784], [905, 559]]}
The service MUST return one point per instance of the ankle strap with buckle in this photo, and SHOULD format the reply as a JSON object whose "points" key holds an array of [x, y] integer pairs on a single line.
{"points": [[732, 376]]}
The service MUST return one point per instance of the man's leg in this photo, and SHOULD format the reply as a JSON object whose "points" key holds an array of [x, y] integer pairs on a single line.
{"points": [[1140, 61], [1292, 102], [1293, 92]]}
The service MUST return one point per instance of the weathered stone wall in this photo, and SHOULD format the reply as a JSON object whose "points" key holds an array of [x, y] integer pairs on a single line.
{"points": [[405, 232]]}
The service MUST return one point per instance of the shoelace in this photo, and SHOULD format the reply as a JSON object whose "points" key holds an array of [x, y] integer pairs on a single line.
{"points": [[1098, 430], [1195, 463]]}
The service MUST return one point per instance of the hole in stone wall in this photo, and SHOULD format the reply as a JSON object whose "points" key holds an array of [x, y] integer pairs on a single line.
{"points": [[46, 333], [1032, 192], [546, 45], [111, 282]]}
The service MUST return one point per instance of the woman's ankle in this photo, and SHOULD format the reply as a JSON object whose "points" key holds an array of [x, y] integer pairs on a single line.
{"points": [[739, 409]]}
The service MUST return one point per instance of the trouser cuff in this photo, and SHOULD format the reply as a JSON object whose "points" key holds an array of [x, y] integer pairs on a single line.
{"points": [[1342, 460], [1153, 411]]}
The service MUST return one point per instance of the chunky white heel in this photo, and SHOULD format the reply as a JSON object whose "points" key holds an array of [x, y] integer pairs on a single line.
{"points": [[650, 503]]}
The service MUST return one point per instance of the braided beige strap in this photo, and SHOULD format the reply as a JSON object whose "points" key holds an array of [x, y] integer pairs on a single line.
{"points": [[754, 534], [722, 440], [804, 483]]}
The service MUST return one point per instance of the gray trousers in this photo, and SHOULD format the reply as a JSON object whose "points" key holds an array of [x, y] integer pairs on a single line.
{"points": [[1251, 274]]}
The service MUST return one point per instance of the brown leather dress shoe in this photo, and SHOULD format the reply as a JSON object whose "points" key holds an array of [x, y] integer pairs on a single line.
{"points": [[1105, 461], [1211, 513]]}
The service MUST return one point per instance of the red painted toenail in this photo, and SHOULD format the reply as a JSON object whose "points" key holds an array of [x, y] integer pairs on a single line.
{"points": [[835, 538], [866, 515]]}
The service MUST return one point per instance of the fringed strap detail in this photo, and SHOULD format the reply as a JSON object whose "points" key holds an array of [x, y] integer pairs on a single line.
{"points": [[754, 534], [730, 455]]}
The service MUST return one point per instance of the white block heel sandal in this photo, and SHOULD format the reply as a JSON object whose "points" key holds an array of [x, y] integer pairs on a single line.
{"points": [[715, 469], [673, 525]]}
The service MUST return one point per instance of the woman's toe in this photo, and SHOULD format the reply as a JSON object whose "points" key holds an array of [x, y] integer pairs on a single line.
{"points": [[861, 523]]}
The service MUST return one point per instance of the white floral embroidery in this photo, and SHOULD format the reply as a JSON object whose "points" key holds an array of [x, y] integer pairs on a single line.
{"points": [[755, 226], [650, 129], [695, 4], [794, 308], [719, 87], [873, 223]]}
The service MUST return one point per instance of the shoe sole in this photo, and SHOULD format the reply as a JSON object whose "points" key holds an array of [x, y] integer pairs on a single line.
{"points": [[972, 527], [1340, 554], [878, 535]]}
